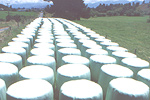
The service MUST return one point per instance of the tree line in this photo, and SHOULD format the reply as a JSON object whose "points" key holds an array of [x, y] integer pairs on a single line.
{"points": [[76, 9]]}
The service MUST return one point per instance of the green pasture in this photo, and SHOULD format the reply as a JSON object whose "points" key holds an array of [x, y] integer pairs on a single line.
{"points": [[3, 14], [130, 32]]}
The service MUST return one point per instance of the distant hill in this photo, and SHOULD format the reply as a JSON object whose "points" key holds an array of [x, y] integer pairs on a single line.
{"points": [[3, 6], [30, 5], [94, 5]]}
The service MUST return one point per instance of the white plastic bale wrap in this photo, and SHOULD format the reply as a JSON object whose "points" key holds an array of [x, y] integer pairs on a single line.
{"points": [[42, 60], [127, 89], [112, 71], [28, 37], [16, 50], [25, 40], [45, 45], [62, 37], [63, 41], [106, 44], [95, 51], [22, 45], [99, 40], [96, 36], [118, 55], [32, 89], [42, 52], [44, 41], [2, 90], [9, 73], [75, 59], [111, 49], [66, 51], [144, 76], [86, 46], [96, 62], [11, 58], [135, 64], [81, 41], [81, 90], [45, 36], [37, 72], [30, 33], [71, 72]]}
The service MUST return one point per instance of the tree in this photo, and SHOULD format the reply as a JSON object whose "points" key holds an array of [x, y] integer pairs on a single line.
{"points": [[70, 9]]}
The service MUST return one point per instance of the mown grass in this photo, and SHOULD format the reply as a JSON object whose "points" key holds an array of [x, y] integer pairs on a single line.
{"points": [[130, 32]]}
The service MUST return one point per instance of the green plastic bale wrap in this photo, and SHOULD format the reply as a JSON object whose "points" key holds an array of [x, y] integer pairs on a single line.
{"points": [[42, 52], [42, 60], [135, 64], [31, 89], [16, 50], [109, 72], [11, 58], [127, 89], [66, 51], [2, 90], [106, 44], [144, 76], [9, 73], [118, 55], [95, 51], [75, 59], [81, 90], [71, 72], [20, 44], [37, 72], [96, 62], [111, 49]]}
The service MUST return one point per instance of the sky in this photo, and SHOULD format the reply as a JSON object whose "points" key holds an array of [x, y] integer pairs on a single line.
{"points": [[41, 1]]}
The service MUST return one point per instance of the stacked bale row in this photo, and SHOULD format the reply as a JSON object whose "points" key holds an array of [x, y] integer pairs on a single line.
{"points": [[54, 58]]}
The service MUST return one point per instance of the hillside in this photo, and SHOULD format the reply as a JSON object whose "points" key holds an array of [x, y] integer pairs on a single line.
{"points": [[3, 6]]}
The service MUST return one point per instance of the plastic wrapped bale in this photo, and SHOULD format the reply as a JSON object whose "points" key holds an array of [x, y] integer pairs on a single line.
{"points": [[31, 34], [111, 49], [86, 46], [99, 40], [135, 64], [25, 40], [44, 41], [96, 62], [81, 41], [63, 41], [121, 55], [28, 37], [66, 51], [31, 89], [37, 72], [127, 89], [16, 50], [42, 51], [144, 76], [45, 36], [96, 36], [62, 37], [11, 58], [20, 44], [75, 59], [106, 44], [78, 37], [60, 33], [95, 51], [2, 90], [9, 73], [73, 34], [81, 90], [71, 72], [109, 72], [44, 45], [42, 60]]}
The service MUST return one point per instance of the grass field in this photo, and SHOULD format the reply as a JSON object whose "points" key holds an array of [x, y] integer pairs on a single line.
{"points": [[130, 32]]}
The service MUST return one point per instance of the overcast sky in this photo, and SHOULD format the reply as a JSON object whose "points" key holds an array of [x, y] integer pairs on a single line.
{"points": [[24, 1]]}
